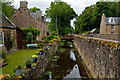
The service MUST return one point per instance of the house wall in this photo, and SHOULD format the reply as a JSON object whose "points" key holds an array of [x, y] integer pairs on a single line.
{"points": [[13, 33], [106, 29], [23, 18], [116, 30]]}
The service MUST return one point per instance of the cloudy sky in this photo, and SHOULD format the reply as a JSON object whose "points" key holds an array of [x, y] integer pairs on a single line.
{"points": [[77, 5]]}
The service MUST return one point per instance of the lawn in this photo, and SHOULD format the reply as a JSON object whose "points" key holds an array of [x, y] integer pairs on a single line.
{"points": [[17, 58]]}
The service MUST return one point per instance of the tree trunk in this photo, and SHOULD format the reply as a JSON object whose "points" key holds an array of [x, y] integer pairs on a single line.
{"points": [[57, 27]]}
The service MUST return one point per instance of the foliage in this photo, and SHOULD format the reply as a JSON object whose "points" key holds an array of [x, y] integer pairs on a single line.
{"points": [[50, 37], [62, 44], [35, 9], [28, 62], [31, 29], [91, 16], [18, 67], [29, 37], [64, 14], [9, 41], [3, 53], [7, 9]]}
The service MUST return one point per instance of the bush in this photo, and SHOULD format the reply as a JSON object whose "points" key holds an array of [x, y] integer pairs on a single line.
{"points": [[29, 37], [3, 54], [50, 37], [28, 62], [9, 41]]}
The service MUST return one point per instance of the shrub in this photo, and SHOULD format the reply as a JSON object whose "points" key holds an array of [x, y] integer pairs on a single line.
{"points": [[9, 41], [3, 54], [50, 37], [28, 62], [29, 37]]}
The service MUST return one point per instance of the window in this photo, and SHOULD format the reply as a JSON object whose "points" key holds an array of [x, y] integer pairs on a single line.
{"points": [[112, 32], [112, 27], [1, 38], [111, 20]]}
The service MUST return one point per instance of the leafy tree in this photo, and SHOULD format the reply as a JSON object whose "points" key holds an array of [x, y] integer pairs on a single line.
{"points": [[91, 16], [35, 9], [60, 13], [7, 9]]}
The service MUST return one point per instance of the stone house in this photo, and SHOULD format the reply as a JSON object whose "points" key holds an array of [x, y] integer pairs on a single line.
{"points": [[110, 25], [23, 18], [7, 26]]}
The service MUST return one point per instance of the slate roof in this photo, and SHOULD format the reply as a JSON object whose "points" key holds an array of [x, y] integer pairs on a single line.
{"points": [[112, 20], [37, 14], [5, 22]]}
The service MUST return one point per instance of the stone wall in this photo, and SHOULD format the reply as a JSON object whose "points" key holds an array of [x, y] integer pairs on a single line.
{"points": [[42, 63], [100, 56], [13, 33], [106, 36]]}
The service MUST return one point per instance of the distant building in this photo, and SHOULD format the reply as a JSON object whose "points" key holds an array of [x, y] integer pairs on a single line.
{"points": [[23, 18], [110, 25]]}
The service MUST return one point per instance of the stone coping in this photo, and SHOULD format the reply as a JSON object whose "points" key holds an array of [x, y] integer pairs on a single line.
{"points": [[111, 43], [80, 36]]}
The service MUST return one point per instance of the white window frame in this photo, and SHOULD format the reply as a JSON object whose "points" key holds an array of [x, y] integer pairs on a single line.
{"points": [[113, 27], [2, 38]]}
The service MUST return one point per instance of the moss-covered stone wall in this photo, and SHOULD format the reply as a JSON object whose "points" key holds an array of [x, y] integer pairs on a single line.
{"points": [[100, 56]]}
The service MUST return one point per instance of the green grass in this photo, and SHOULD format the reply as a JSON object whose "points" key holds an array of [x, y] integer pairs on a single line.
{"points": [[17, 58]]}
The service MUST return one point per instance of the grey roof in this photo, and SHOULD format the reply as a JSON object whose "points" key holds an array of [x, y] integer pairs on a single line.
{"points": [[112, 20], [37, 14], [5, 22]]}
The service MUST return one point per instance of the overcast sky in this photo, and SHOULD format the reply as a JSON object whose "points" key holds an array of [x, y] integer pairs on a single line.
{"points": [[77, 5]]}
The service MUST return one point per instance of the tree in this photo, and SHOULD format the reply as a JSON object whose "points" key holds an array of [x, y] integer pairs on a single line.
{"points": [[61, 14], [7, 9], [91, 16], [35, 9]]}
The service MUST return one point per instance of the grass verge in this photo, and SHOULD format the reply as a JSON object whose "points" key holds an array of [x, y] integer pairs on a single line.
{"points": [[17, 58]]}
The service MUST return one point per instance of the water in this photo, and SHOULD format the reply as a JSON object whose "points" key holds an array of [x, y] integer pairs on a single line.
{"points": [[65, 66]]}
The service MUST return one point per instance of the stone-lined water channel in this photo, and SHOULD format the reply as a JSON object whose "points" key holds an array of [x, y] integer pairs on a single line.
{"points": [[66, 63], [63, 65]]}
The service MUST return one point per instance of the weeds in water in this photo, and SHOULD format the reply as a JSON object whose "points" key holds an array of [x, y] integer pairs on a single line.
{"points": [[61, 50]]}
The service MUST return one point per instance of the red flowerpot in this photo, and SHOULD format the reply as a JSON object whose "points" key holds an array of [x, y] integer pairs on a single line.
{"points": [[23, 47]]}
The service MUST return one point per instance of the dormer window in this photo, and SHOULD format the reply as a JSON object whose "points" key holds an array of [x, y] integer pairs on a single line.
{"points": [[111, 20]]}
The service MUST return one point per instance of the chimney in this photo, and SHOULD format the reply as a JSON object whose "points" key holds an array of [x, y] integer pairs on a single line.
{"points": [[23, 4], [103, 25], [103, 17]]}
